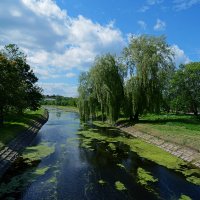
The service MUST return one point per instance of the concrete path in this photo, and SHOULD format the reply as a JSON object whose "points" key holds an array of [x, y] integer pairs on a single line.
{"points": [[11, 152], [185, 153]]}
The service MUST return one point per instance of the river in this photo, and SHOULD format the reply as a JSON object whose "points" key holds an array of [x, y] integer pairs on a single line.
{"points": [[59, 165]]}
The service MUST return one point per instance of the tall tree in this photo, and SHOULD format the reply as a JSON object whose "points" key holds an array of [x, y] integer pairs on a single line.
{"points": [[185, 88], [149, 60], [108, 85], [17, 82]]}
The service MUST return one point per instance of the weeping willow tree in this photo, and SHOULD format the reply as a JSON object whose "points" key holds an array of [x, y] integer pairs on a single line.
{"points": [[149, 60], [108, 86], [84, 93], [101, 87], [87, 101]]}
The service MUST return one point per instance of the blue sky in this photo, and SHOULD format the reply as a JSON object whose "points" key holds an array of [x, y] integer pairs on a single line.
{"points": [[62, 37]]}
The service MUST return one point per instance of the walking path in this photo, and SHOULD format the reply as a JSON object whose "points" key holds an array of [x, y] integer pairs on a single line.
{"points": [[185, 153], [11, 152]]}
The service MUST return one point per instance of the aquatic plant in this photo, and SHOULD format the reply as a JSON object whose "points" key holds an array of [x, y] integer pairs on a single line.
{"points": [[120, 186], [145, 177]]}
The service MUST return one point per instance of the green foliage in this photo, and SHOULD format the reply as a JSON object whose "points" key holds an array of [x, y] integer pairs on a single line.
{"points": [[101, 88], [17, 82], [185, 88], [149, 60], [142, 80], [59, 100]]}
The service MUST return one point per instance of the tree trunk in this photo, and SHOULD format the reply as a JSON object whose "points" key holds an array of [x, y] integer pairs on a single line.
{"points": [[102, 112], [136, 117], [131, 118], [195, 110], [1, 116]]}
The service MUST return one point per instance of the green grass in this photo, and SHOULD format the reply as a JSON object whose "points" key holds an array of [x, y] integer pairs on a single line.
{"points": [[15, 124], [181, 129]]}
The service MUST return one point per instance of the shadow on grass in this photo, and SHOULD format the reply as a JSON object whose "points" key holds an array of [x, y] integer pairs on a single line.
{"points": [[13, 125]]}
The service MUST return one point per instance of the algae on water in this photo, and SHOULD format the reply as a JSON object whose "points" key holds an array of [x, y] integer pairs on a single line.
{"points": [[119, 186], [20, 181], [184, 197], [38, 152], [142, 148], [121, 166], [145, 177], [101, 182]]}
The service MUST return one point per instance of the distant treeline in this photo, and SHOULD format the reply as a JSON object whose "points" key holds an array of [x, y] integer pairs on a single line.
{"points": [[59, 100], [143, 79]]}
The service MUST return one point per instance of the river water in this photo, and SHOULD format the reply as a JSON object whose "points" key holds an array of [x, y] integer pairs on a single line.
{"points": [[70, 171]]}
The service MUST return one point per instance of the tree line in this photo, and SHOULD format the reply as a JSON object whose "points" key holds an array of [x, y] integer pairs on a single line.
{"points": [[143, 79], [18, 89], [59, 100]]}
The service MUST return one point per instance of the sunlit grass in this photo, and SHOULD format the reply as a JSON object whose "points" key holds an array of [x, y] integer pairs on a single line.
{"points": [[15, 124]]}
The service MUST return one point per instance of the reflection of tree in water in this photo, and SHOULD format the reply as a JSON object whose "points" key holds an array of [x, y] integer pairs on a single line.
{"points": [[58, 114]]}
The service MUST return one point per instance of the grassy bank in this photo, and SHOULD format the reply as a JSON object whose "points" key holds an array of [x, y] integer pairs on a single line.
{"points": [[15, 124], [181, 129]]}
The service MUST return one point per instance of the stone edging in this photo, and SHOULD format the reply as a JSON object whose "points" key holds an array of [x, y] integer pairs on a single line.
{"points": [[185, 153], [11, 152]]}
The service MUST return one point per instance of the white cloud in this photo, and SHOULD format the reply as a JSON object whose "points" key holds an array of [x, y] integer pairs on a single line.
{"points": [[70, 75], [47, 8], [184, 4], [149, 4], [15, 13], [142, 24], [59, 89], [54, 41], [160, 25], [179, 55]]}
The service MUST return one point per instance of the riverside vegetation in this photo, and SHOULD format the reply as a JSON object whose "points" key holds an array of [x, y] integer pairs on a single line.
{"points": [[142, 80]]}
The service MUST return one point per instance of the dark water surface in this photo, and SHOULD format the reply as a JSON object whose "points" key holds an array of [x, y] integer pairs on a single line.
{"points": [[73, 172]]}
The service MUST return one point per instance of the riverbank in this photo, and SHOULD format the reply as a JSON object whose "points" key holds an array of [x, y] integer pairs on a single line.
{"points": [[11, 148], [172, 133], [15, 124], [145, 149]]}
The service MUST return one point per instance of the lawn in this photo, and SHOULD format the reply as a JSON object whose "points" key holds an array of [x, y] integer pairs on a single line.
{"points": [[181, 129], [14, 124]]}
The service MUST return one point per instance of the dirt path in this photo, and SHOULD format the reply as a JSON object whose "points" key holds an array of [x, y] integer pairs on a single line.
{"points": [[185, 153], [11, 152]]}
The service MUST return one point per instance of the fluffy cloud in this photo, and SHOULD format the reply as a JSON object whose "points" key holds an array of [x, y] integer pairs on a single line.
{"points": [[59, 89], [54, 41], [142, 24], [160, 25], [51, 37], [184, 4], [179, 56]]}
